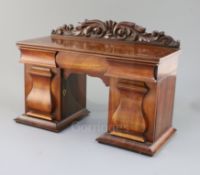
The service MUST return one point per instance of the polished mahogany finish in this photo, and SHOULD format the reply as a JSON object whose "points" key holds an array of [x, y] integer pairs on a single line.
{"points": [[138, 67]]}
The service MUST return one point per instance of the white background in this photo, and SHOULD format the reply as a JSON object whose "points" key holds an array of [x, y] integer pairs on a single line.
{"points": [[26, 150]]}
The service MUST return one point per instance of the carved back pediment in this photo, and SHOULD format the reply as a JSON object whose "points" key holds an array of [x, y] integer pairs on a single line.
{"points": [[111, 30]]}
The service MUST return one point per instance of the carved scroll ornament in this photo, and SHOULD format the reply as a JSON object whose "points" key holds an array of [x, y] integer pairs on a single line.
{"points": [[126, 31]]}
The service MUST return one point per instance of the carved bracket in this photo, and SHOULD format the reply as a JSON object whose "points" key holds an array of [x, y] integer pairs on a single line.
{"points": [[127, 31], [39, 100], [128, 119]]}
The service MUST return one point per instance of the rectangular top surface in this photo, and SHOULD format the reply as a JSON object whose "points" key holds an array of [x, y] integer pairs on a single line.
{"points": [[113, 49]]}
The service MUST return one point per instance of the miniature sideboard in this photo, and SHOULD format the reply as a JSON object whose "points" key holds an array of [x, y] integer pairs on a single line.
{"points": [[138, 67]]}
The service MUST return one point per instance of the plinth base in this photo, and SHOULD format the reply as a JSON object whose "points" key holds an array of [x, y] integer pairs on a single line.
{"points": [[144, 148], [54, 126]]}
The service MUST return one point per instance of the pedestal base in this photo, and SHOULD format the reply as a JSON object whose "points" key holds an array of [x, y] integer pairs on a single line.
{"points": [[144, 148], [52, 125]]}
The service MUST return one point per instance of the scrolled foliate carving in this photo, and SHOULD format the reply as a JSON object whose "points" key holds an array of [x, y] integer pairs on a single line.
{"points": [[127, 31]]}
